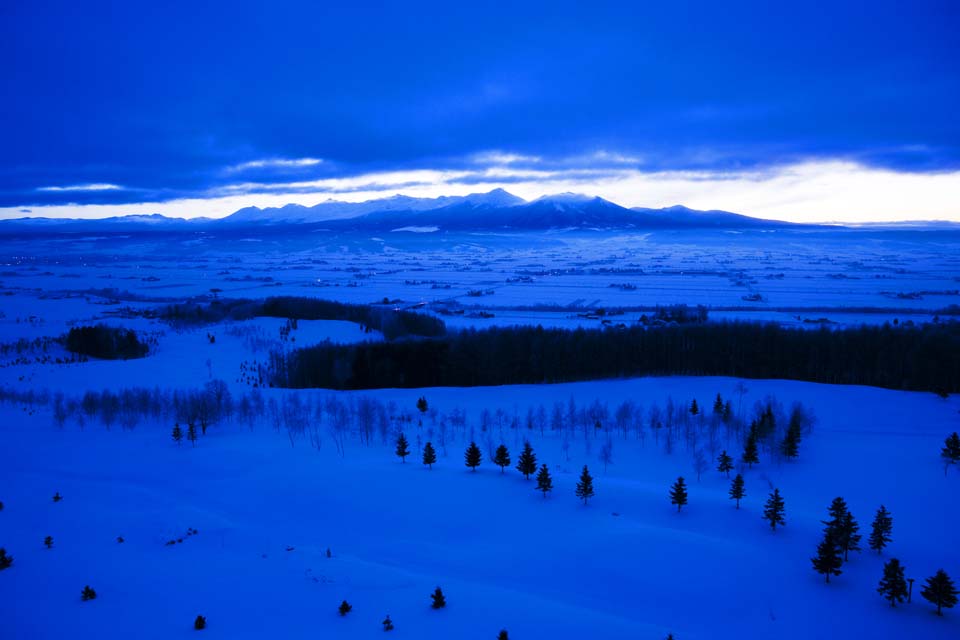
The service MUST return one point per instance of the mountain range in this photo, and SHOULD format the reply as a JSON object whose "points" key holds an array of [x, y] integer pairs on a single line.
{"points": [[496, 210]]}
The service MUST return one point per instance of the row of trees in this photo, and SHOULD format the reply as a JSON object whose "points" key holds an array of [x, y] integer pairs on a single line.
{"points": [[391, 322], [923, 357], [841, 533]]}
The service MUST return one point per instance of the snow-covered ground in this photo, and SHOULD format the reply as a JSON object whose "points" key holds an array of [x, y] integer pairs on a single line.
{"points": [[626, 565], [268, 501]]}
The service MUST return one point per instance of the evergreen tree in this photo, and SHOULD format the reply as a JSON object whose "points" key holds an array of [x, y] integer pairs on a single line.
{"points": [[422, 405], [718, 406], [502, 457], [177, 433], [837, 512], [893, 586], [439, 602], [88, 593], [387, 624], [345, 608], [849, 535], [773, 510], [5, 560], [939, 590], [429, 455], [736, 490], [881, 529], [790, 447], [192, 433], [585, 486], [527, 463], [751, 454], [473, 456], [544, 481], [503, 635], [827, 561], [727, 411], [57, 497], [200, 623], [725, 463], [678, 493], [951, 451], [694, 407], [48, 542], [403, 447]]}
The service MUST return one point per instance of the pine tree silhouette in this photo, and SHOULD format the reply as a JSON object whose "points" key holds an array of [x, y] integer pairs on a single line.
{"points": [[790, 447], [725, 463], [544, 481], [773, 510], [403, 448], [502, 457], [5, 560], [177, 433], [893, 586], [951, 451], [751, 454], [881, 529], [694, 407], [503, 635], [429, 455], [88, 593], [200, 623], [939, 590], [527, 463], [736, 489], [345, 608], [439, 601], [422, 405], [473, 456], [387, 624], [849, 535], [718, 406], [192, 433], [678, 493], [48, 542], [585, 486], [827, 561]]}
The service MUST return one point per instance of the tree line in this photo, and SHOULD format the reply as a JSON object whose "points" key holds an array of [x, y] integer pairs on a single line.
{"points": [[391, 322], [916, 358]]}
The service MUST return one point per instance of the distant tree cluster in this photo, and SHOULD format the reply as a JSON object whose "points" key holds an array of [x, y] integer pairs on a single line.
{"points": [[923, 357], [107, 343], [391, 322]]}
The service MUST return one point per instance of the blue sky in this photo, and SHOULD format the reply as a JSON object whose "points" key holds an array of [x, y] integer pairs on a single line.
{"points": [[199, 108]]}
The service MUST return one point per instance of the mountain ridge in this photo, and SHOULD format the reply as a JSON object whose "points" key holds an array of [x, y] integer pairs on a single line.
{"points": [[495, 210]]}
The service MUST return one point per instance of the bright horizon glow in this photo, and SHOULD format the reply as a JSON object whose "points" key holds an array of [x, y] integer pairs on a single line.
{"points": [[816, 191]]}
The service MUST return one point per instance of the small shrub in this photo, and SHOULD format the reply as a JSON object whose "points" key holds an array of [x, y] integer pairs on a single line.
{"points": [[88, 593], [439, 601], [345, 608], [200, 623], [387, 624], [57, 497], [5, 560]]}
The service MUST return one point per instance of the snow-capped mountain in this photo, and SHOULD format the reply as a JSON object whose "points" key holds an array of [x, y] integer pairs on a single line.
{"points": [[497, 210]]}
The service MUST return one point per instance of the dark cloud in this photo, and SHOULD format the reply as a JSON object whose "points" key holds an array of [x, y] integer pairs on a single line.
{"points": [[162, 99]]}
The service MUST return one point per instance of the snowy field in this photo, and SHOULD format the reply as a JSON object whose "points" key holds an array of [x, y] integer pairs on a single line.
{"points": [[271, 488], [626, 565], [843, 276]]}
